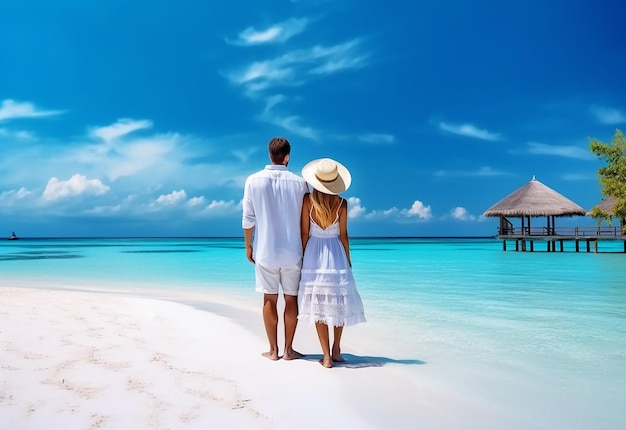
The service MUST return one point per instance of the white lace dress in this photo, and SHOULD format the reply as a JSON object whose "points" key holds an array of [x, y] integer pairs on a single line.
{"points": [[327, 290]]}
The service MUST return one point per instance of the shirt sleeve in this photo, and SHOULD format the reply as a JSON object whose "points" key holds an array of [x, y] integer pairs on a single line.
{"points": [[248, 219]]}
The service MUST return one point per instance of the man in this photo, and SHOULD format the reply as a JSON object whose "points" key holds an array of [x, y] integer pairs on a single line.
{"points": [[272, 203]]}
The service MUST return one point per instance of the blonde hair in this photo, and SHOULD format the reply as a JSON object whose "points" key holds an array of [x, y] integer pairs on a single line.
{"points": [[325, 207]]}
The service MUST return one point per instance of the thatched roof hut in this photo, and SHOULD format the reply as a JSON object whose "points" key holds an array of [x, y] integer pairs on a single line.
{"points": [[606, 205], [533, 200]]}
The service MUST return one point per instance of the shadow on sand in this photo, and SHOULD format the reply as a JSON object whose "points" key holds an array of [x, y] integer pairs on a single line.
{"points": [[360, 361]]}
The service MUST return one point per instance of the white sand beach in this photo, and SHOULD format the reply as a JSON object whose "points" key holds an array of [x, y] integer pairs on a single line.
{"points": [[87, 360]]}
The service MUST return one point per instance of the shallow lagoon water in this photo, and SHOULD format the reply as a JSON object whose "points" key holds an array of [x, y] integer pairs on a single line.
{"points": [[534, 335]]}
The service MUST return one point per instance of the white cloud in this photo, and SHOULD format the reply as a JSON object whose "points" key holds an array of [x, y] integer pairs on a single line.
{"points": [[17, 134], [196, 201], [486, 171], [116, 157], [105, 210], [172, 199], [385, 213], [23, 135], [460, 213], [22, 192], [560, 151], [337, 63], [142, 154], [291, 123], [220, 204], [179, 198], [608, 115], [122, 127], [376, 138], [294, 68], [75, 186], [578, 176], [469, 130], [11, 109], [244, 155], [261, 75], [418, 209], [142, 165], [355, 209], [9, 197], [481, 171], [274, 100], [277, 33], [330, 59], [221, 208]]}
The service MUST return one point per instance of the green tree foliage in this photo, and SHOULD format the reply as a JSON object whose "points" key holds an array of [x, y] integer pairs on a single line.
{"points": [[612, 177]]}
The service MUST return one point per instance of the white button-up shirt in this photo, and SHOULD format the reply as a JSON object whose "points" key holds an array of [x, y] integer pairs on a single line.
{"points": [[272, 204]]}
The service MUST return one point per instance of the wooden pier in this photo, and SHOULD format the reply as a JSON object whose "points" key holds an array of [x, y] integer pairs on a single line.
{"points": [[526, 237]]}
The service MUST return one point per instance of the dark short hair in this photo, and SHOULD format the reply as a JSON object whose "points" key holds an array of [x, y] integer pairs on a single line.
{"points": [[279, 147]]}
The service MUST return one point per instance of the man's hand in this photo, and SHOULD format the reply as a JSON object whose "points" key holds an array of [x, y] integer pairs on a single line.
{"points": [[249, 253], [248, 234]]}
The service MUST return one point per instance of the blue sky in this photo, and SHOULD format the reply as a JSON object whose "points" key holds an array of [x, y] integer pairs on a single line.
{"points": [[143, 118]]}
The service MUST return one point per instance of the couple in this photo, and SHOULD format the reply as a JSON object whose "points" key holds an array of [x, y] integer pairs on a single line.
{"points": [[288, 222]]}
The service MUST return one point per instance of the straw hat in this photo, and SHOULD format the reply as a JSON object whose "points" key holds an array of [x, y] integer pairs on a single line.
{"points": [[327, 176]]}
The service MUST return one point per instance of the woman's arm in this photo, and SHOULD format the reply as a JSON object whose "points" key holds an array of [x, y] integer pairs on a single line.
{"points": [[304, 220], [343, 229]]}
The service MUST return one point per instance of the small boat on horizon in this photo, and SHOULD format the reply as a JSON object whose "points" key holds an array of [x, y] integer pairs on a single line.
{"points": [[13, 236]]}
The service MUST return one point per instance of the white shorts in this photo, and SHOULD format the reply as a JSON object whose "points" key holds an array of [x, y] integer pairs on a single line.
{"points": [[269, 279]]}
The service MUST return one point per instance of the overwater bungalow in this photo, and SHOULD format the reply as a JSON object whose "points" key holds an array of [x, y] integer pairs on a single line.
{"points": [[535, 200]]}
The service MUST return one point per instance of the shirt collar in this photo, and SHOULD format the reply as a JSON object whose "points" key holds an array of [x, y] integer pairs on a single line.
{"points": [[275, 167]]}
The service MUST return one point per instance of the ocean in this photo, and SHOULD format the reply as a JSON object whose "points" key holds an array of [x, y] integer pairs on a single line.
{"points": [[537, 338]]}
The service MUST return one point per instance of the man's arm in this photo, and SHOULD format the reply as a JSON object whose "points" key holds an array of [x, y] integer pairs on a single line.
{"points": [[248, 220], [248, 233]]}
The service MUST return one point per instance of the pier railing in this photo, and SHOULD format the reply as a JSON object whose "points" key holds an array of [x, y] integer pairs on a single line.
{"points": [[565, 232]]}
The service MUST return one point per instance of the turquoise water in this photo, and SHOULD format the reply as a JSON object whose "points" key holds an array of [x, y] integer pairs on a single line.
{"points": [[537, 337]]}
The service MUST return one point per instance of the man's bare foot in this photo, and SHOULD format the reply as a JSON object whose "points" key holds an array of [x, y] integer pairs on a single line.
{"points": [[326, 362], [292, 355], [271, 355]]}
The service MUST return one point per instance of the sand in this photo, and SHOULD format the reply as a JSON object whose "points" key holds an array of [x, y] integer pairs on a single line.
{"points": [[93, 360]]}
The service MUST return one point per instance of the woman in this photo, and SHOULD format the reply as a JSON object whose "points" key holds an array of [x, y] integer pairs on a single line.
{"points": [[327, 294]]}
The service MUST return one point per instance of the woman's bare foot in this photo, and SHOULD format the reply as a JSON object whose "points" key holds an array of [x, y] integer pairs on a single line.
{"points": [[326, 362], [271, 355], [292, 355], [337, 357]]}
